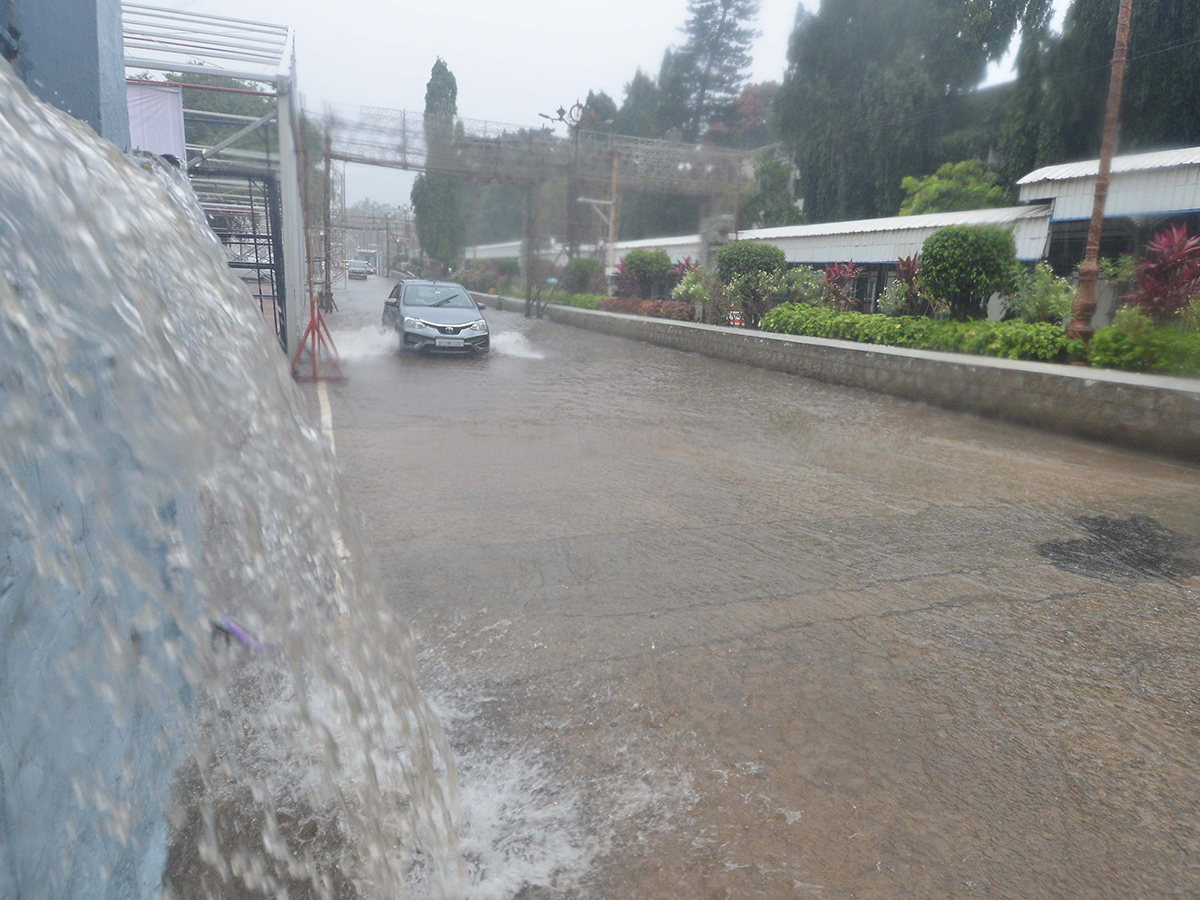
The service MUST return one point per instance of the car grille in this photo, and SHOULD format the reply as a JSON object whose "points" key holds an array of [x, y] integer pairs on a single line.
{"points": [[449, 329]]}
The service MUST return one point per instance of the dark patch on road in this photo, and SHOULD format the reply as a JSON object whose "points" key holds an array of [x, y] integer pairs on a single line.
{"points": [[1137, 547]]}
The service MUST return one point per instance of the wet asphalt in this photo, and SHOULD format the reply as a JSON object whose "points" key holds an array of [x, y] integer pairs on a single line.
{"points": [[763, 637]]}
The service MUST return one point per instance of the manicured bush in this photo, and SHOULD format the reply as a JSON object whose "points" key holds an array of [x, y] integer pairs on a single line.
{"points": [[508, 268], [747, 258], [1134, 343], [581, 274], [963, 265], [651, 268], [1010, 340]]}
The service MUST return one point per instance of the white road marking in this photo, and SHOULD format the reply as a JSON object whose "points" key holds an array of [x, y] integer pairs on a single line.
{"points": [[339, 543], [326, 415]]}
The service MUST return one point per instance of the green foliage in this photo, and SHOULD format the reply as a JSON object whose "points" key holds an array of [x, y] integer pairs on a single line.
{"points": [[874, 92], [582, 273], [955, 186], [963, 265], [439, 208], [583, 301], [804, 284], [752, 292], [747, 258], [1041, 296], [774, 204], [650, 267], [1009, 340], [1120, 272], [1134, 343], [1062, 85], [894, 299], [711, 67], [508, 268], [703, 286]]}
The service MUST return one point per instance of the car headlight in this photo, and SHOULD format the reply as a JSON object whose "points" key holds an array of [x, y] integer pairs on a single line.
{"points": [[410, 322], [478, 325]]}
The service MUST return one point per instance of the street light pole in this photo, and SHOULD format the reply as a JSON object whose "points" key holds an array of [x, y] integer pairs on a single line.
{"points": [[1089, 269]]}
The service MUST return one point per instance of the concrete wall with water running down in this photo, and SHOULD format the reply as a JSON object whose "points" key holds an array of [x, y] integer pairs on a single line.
{"points": [[1143, 412]]}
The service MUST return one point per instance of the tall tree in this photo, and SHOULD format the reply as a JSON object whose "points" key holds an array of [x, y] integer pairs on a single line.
{"points": [[1063, 83], [716, 57], [719, 42], [638, 114], [873, 86], [600, 111], [438, 200], [743, 123]]}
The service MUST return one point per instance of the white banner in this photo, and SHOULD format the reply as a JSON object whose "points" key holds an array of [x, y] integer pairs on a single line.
{"points": [[156, 118]]}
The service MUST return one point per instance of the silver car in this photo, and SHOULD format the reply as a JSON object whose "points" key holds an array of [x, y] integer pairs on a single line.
{"points": [[436, 316]]}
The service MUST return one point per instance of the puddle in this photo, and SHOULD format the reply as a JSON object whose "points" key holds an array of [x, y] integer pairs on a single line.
{"points": [[1137, 547]]}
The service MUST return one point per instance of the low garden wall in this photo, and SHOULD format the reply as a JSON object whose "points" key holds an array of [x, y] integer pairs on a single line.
{"points": [[1143, 412]]}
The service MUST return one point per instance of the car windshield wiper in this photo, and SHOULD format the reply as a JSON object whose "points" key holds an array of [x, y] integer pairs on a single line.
{"points": [[440, 302]]}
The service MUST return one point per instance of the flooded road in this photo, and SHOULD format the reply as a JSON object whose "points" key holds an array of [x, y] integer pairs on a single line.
{"points": [[700, 630]]}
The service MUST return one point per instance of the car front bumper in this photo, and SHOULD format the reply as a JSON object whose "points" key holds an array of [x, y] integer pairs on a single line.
{"points": [[427, 340]]}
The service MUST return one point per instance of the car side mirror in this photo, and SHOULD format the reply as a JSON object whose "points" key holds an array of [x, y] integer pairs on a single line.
{"points": [[480, 305], [390, 301]]}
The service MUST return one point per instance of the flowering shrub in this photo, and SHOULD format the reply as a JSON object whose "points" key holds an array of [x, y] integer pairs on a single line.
{"points": [[704, 287]]}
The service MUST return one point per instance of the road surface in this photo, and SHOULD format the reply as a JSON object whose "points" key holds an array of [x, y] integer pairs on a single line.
{"points": [[700, 630]]}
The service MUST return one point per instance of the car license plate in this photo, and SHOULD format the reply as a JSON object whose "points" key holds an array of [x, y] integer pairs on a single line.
{"points": [[450, 342]]}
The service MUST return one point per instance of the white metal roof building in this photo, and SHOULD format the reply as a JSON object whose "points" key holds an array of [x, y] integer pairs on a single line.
{"points": [[1142, 185], [886, 240]]}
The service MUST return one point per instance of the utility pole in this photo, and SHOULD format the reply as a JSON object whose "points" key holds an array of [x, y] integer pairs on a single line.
{"points": [[1089, 269], [385, 263], [613, 214], [327, 284]]}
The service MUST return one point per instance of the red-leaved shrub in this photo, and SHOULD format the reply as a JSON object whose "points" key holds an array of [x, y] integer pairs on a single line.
{"points": [[1168, 276], [662, 309]]}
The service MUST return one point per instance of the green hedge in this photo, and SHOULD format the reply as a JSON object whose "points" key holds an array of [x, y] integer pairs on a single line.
{"points": [[1163, 350], [748, 258], [1009, 340], [584, 301]]}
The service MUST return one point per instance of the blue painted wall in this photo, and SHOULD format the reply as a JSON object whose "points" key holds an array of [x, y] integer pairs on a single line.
{"points": [[72, 55]]}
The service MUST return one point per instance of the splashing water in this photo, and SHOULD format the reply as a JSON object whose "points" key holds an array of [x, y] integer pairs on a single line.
{"points": [[158, 471], [362, 343], [513, 343]]}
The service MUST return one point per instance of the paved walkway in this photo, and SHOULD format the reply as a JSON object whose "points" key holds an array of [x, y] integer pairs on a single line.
{"points": [[701, 630]]}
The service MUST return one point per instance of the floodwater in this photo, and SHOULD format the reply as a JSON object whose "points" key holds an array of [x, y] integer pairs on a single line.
{"points": [[703, 630]]}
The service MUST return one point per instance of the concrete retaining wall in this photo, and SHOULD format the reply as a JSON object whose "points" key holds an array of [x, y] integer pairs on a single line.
{"points": [[1144, 412]]}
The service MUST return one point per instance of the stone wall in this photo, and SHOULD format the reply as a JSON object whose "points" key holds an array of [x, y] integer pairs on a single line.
{"points": [[1143, 412]]}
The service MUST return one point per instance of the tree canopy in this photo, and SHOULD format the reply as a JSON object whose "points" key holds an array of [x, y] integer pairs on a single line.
{"points": [[438, 200], [1057, 113], [955, 186], [879, 89]]}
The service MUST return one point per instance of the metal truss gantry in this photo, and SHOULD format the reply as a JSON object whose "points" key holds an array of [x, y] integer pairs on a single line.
{"points": [[247, 174]]}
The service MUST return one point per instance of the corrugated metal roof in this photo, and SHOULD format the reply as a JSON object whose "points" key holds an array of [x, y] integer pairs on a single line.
{"points": [[1003, 216], [1138, 162], [659, 242]]}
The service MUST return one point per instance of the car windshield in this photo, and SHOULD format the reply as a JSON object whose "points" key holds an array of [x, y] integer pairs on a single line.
{"points": [[443, 295]]}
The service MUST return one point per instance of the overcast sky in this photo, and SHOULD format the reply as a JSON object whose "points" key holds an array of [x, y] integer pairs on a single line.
{"points": [[512, 60]]}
